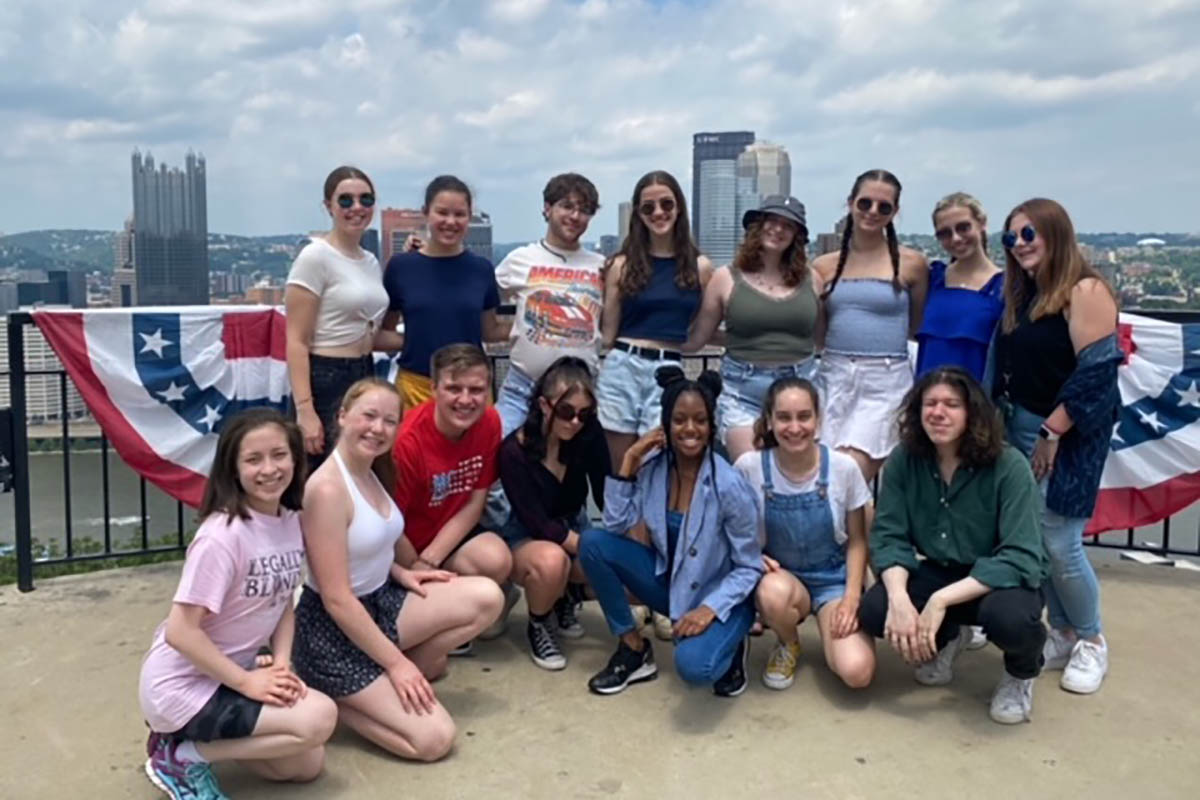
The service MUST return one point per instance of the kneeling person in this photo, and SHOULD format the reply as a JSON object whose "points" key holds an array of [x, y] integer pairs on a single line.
{"points": [[703, 560], [546, 466], [956, 494]]}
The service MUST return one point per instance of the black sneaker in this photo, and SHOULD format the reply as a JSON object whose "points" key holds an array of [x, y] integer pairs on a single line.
{"points": [[734, 682], [564, 615], [625, 667], [543, 647]]}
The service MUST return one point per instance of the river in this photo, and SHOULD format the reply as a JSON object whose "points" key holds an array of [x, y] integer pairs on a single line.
{"points": [[87, 505]]}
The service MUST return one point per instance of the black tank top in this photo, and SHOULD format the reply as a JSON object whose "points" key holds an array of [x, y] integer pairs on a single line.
{"points": [[1034, 361]]}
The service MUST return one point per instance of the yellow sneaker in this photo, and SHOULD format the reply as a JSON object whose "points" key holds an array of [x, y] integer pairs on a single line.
{"points": [[781, 666]]}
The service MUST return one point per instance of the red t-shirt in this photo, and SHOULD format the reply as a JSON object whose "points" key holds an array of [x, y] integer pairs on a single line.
{"points": [[436, 476]]}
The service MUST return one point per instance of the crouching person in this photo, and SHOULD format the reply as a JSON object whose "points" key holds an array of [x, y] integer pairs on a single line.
{"points": [[703, 560], [956, 494]]}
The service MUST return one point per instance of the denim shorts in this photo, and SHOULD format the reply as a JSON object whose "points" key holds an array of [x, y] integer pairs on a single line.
{"points": [[512, 401], [824, 584], [515, 534], [628, 397], [744, 386]]}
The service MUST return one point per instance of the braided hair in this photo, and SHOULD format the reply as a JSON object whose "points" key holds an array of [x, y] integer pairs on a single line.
{"points": [[893, 243]]}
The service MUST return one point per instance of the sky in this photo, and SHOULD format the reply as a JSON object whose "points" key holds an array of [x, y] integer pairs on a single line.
{"points": [[1091, 102]]}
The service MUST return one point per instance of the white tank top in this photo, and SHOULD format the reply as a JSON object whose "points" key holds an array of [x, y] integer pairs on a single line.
{"points": [[370, 540]]}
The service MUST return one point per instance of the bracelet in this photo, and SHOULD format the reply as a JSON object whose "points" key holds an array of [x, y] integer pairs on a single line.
{"points": [[298, 403]]}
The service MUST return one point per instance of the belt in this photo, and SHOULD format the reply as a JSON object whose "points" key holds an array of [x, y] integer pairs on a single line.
{"points": [[651, 353]]}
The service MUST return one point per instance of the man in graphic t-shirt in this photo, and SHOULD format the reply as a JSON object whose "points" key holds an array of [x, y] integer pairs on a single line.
{"points": [[558, 290], [445, 458]]}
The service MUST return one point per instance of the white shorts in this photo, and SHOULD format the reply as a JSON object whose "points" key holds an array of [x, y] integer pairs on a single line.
{"points": [[861, 401]]}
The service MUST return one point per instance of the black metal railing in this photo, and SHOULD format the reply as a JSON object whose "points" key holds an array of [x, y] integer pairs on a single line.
{"points": [[145, 542]]}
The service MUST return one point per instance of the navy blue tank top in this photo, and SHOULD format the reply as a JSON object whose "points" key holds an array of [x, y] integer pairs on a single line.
{"points": [[661, 310]]}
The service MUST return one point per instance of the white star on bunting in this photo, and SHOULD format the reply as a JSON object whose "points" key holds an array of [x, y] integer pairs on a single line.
{"points": [[173, 393], [1189, 396], [154, 343], [1151, 419], [211, 417]]}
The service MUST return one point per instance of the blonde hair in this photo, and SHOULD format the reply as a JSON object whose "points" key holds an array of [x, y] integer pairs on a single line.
{"points": [[970, 203], [383, 466]]}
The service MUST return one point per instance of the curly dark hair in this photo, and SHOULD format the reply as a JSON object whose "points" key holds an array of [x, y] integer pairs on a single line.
{"points": [[572, 183], [635, 273], [793, 264], [983, 440]]}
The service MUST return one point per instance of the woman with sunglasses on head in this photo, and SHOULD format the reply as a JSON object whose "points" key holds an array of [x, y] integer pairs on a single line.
{"points": [[966, 297], [546, 467], [652, 290], [768, 298], [1055, 377], [335, 302], [443, 293], [703, 560], [874, 296]]}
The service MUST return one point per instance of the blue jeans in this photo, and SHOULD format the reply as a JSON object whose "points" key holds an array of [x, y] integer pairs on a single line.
{"points": [[512, 401], [614, 563], [745, 386], [1073, 594]]}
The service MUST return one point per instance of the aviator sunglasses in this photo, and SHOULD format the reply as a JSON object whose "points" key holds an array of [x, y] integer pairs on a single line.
{"points": [[961, 228], [1009, 239], [884, 208], [366, 200], [667, 205]]}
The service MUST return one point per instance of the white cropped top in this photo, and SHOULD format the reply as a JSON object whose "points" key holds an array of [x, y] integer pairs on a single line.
{"points": [[352, 297]]}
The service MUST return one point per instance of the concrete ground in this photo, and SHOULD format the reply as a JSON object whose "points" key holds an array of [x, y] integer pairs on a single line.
{"points": [[71, 726]]}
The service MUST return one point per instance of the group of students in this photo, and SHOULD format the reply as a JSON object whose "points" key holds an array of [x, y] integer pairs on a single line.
{"points": [[732, 501]]}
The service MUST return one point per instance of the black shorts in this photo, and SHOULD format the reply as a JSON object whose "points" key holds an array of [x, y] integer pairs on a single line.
{"points": [[325, 658], [329, 378], [226, 715], [478, 530]]}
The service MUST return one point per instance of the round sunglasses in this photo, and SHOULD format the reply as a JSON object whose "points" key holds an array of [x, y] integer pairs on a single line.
{"points": [[1009, 239], [961, 228], [366, 200], [667, 205], [884, 208]]}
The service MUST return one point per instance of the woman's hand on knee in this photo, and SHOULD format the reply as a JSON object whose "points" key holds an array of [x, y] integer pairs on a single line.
{"points": [[695, 622], [413, 689]]}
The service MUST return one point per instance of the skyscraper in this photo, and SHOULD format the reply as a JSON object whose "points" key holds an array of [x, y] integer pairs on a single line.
{"points": [[715, 223], [762, 169], [624, 213], [170, 236], [397, 224], [479, 235]]}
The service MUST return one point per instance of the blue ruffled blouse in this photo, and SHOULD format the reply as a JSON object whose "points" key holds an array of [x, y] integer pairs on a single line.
{"points": [[958, 323]]}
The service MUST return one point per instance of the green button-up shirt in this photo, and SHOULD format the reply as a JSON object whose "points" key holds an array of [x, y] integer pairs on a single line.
{"points": [[988, 519]]}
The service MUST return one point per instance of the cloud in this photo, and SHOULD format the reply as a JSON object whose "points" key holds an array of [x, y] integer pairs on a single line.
{"points": [[1091, 101]]}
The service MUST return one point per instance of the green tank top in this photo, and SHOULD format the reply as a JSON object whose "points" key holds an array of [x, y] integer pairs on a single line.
{"points": [[762, 329]]}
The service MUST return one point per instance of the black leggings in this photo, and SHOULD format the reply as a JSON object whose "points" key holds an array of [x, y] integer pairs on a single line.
{"points": [[1011, 618], [329, 378]]}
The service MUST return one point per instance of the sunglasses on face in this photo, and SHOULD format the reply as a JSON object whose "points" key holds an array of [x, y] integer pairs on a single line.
{"points": [[1009, 239], [667, 205], [567, 412], [961, 228], [883, 207], [366, 200]]}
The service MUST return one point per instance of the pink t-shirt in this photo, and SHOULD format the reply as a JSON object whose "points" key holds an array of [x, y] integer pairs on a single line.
{"points": [[244, 573]]}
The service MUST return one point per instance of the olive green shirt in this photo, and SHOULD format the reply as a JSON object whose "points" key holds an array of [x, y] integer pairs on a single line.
{"points": [[988, 520]]}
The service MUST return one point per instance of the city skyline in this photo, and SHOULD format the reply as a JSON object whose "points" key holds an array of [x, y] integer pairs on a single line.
{"points": [[1092, 106], [170, 231]]}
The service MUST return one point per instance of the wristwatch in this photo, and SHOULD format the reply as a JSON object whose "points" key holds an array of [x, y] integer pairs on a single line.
{"points": [[1049, 435]]}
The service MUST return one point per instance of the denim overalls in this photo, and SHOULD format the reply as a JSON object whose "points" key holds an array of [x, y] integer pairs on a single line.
{"points": [[800, 534]]}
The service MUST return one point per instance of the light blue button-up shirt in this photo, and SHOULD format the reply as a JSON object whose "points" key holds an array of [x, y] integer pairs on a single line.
{"points": [[718, 561]]}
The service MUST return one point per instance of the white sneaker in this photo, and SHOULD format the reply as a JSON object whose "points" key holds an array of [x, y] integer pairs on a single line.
{"points": [[977, 640], [1012, 702], [1087, 667], [1057, 651], [511, 595], [940, 670], [641, 615], [662, 628]]}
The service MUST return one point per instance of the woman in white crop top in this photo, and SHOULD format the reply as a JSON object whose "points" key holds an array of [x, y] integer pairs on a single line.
{"points": [[335, 302], [371, 632]]}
